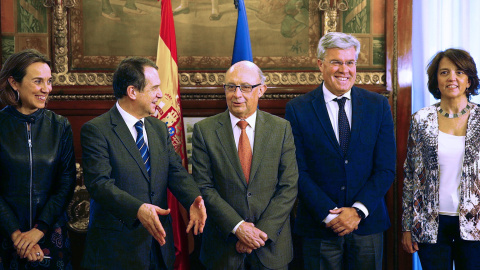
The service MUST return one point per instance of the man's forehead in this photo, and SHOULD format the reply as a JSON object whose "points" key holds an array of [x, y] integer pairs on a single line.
{"points": [[241, 73], [340, 51]]}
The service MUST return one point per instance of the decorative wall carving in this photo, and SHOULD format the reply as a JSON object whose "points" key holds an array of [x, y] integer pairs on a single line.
{"points": [[64, 77], [212, 79]]}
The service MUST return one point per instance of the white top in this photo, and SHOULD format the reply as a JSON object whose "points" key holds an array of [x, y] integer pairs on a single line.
{"points": [[131, 120], [451, 150]]}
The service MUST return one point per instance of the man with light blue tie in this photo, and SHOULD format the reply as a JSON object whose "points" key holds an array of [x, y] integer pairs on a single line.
{"points": [[346, 159], [129, 162]]}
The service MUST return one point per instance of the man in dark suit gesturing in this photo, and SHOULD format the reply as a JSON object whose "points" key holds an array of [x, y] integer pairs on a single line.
{"points": [[346, 159], [244, 163], [129, 161]]}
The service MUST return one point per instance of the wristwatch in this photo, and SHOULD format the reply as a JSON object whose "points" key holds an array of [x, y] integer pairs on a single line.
{"points": [[360, 213]]}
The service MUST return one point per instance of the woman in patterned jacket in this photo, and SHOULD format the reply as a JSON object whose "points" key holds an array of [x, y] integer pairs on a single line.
{"points": [[441, 193]]}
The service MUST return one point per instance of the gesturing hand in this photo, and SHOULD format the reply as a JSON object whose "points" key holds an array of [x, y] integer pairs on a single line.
{"points": [[25, 241], [346, 222], [148, 216], [252, 237], [198, 216]]}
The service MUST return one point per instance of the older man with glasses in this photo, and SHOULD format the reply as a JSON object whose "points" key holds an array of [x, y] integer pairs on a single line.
{"points": [[244, 164]]}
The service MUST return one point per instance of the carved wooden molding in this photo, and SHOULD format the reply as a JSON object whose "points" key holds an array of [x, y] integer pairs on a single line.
{"points": [[64, 77], [212, 79]]}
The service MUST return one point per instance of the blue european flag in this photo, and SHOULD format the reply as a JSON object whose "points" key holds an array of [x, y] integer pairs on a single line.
{"points": [[242, 48]]}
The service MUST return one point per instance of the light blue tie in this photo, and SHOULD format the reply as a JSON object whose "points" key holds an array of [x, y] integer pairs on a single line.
{"points": [[142, 146]]}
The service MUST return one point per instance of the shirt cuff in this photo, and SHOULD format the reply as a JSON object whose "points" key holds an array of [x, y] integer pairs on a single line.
{"points": [[362, 207], [330, 217], [236, 227]]}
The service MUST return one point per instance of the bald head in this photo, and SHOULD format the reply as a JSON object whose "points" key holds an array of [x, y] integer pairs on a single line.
{"points": [[241, 102], [247, 65]]}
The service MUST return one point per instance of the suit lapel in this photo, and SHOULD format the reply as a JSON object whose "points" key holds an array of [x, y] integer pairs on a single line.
{"points": [[358, 115], [262, 133], [124, 135], [321, 110], [153, 140], [225, 136]]}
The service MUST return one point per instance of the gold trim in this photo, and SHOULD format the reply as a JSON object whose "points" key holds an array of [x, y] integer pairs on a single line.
{"points": [[212, 79], [306, 60], [183, 97], [396, 198], [330, 14], [62, 76], [279, 78], [60, 32]]}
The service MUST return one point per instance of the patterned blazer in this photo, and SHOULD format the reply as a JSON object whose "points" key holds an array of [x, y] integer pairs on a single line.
{"points": [[421, 184]]}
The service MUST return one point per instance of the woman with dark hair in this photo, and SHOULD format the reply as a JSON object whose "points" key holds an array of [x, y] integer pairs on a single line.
{"points": [[37, 168], [441, 193]]}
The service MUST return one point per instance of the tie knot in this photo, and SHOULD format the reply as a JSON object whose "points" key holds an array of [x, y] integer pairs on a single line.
{"points": [[139, 126], [242, 124], [341, 101]]}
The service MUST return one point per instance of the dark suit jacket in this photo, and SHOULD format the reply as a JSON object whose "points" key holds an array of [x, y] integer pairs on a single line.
{"points": [[327, 179], [266, 201], [118, 183]]}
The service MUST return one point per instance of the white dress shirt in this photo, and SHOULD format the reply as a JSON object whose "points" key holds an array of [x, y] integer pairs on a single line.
{"points": [[332, 109], [250, 130], [131, 120]]}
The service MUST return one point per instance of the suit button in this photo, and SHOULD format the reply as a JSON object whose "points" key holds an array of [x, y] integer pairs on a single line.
{"points": [[346, 161], [249, 194], [342, 188], [152, 194]]}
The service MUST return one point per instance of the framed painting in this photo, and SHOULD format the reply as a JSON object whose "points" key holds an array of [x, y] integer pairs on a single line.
{"points": [[188, 123], [284, 33], [369, 29]]}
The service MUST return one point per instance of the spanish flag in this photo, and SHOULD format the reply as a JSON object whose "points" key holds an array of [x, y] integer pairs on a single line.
{"points": [[242, 48], [170, 112]]}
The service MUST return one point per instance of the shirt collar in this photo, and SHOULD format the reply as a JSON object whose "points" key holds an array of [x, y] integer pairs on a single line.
{"points": [[250, 120], [129, 119], [328, 96]]}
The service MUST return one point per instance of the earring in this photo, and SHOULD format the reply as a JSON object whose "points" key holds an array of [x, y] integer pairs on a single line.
{"points": [[18, 95]]}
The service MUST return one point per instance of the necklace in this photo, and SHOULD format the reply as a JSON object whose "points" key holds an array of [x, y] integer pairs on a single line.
{"points": [[454, 115]]}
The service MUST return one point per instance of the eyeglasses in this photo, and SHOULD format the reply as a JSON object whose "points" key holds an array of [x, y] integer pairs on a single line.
{"points": [[337, 63], [244, 88]]}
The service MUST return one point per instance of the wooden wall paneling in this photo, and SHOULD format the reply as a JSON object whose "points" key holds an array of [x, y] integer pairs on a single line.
{"points": [[78, 112], [83, 96], [399, 82]]}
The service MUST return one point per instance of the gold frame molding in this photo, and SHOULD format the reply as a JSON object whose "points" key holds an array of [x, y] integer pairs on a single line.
{"points": [[207, 63], [64, 77]]}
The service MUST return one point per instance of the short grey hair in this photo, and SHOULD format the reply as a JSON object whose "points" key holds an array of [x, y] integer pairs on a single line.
{"points": [[337, 40], [250, 64]]}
